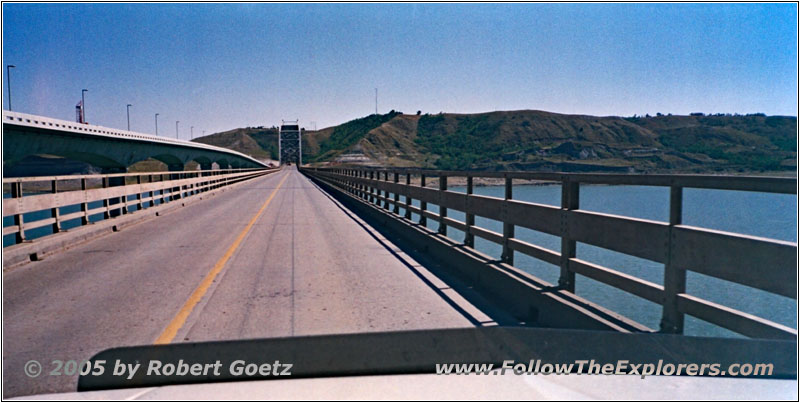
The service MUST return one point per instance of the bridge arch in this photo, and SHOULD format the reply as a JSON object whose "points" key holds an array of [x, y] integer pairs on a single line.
{"points": [[173, 163]]}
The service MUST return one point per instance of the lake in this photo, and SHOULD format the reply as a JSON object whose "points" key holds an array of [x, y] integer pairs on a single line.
{"points": [[760, 214], [752, 213]]}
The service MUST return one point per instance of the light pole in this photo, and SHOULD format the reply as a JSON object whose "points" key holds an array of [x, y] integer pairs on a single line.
{"points": [[191, 132], [156, 124], [176, 128], [8, 77], [129, 116], [83, 105]]}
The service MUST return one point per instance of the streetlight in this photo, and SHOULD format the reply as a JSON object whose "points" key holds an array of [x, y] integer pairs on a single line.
{"points": [[176, 128], [129, 116], [156, 124], [83, 105], [8, 77]]}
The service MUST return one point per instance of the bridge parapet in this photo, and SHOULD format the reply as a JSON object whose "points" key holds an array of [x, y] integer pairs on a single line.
{"points": [[102, 138], [765, 264], [57, 203]]}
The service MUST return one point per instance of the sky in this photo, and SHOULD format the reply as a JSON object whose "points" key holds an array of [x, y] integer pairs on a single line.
{"points": [[221, 66]]}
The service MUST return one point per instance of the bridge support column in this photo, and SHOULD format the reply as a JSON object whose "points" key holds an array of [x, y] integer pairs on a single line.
{"points": [[113, 181]]}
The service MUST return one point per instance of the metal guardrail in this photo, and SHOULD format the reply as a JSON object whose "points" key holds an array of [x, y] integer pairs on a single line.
{"points": [[119, 194], [766, 264]]}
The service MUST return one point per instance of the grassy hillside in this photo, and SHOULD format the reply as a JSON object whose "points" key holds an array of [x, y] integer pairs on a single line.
{"points": [[257, 142], [544, 141], [341, 138]]}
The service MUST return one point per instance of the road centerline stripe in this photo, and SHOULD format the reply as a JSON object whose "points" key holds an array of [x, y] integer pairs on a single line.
{"points": [[183, 314]]}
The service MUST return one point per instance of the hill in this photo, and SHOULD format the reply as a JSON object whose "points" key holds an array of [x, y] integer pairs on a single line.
{"points": [[257, 142], [545, 141]]}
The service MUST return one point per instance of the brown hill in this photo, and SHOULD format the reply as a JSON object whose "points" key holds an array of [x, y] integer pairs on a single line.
{"points": [[530, 139]]}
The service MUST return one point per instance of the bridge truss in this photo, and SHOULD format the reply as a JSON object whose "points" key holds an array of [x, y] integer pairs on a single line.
{"points": [[290, 147]]}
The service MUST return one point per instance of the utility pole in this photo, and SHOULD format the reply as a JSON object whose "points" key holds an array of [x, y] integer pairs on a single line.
{"points": [[129, 116], [176, 128], [156, 124], [376, 101], [191, 132], [83, 106], [8, 77]]}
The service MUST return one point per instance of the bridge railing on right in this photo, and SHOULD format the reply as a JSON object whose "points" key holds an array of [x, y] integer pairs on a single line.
{"points": [[38, 206], [765, 264]]}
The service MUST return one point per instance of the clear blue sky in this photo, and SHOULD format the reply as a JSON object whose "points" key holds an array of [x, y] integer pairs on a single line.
{"points": [[221, 66]]}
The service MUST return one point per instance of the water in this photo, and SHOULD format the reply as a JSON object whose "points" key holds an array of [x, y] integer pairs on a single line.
{"points": [[760, 214], [752, 213], [32, 217]]}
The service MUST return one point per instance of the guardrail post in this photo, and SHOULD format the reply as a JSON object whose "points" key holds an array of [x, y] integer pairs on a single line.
{"points": [[423, 205], [113, 181], [508, 229], [106, 202], [139, 205], [85, 204], [16, 193], [356, 184], [469, 237], [161, 190], [674, 277], [54, 210], [408, 198], [371, 189], [386, 192], [570, 192], [442, 209], [175, 191], [396, 209]]}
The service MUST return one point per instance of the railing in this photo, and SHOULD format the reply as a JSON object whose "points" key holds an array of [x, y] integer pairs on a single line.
{"points": [[37, 202], [765, 264]]}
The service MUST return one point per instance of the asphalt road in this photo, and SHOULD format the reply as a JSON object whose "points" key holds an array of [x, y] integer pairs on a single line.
{"points": [[274, 257]]}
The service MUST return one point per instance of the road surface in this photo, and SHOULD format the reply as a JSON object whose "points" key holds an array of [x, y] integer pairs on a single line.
{"points": [[274, 257]]}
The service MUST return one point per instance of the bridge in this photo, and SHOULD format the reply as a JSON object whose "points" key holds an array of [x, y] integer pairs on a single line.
{"points": [[223, 254], [110, 150]]}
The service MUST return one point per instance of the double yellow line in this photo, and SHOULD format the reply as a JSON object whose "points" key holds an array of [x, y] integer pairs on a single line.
{"points": [[179, 320]]}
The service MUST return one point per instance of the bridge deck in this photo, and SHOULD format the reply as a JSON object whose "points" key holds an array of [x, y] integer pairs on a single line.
{"points": [[306, 266]]}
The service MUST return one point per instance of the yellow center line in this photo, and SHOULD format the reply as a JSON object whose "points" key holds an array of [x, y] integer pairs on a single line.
{"points": [[180, 318]]}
